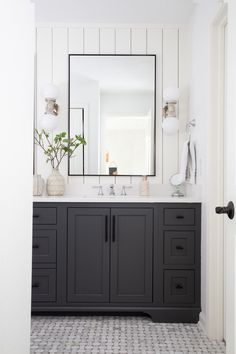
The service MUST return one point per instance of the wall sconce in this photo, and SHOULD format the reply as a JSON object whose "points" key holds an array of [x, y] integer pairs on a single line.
{"points": [[170, 124], [49, 120]]}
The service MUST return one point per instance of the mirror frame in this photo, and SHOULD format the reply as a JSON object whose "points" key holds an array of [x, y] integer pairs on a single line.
{"points": [[155, 114]]}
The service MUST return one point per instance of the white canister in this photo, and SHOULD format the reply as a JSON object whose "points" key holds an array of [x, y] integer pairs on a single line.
{"points": [[38, 185], [144, 187]]}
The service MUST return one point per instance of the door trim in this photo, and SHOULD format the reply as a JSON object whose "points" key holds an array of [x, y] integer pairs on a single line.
{"points": [[213, 320]]}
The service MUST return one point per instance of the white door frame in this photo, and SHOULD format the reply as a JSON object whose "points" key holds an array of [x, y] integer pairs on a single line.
{"points": [[214, 321]]}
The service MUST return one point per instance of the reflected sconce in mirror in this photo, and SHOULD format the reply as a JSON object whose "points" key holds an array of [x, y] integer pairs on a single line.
{"points": [[49, 120], [170, 124]]}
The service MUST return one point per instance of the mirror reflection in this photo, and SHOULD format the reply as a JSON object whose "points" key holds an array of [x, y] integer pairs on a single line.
{"points": [[112, 104]]}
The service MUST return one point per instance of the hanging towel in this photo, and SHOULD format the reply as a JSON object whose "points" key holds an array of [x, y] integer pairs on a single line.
{"points": [[191, 168], [187, 171], [184, 160]]}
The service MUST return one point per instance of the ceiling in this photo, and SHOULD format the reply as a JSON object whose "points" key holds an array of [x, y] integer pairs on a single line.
{"points": [[114, 11]]}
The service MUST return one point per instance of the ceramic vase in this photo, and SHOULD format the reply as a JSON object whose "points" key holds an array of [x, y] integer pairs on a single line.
{"points": [[55, 183]]}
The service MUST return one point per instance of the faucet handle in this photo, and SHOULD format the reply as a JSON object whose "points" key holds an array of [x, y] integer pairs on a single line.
{"points": [[100, 190], [111, 189], [123, 189]]}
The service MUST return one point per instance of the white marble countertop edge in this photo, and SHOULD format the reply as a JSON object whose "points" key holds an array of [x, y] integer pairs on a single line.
{"points": [[113, 199]]}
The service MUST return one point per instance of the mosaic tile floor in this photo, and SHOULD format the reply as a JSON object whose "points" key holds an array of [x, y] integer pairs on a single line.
{"points": [[117, 335]]}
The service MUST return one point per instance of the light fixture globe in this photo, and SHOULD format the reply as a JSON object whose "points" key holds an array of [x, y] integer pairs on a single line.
{"points": [[50, 91], [171, 94], [170, 125], [49, 122]]}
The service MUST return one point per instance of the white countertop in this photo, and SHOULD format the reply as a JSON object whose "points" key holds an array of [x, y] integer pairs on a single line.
{"points": [[114, 199]]}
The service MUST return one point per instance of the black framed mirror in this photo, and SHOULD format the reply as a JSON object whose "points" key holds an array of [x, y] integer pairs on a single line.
{"points": [[112, 103]]}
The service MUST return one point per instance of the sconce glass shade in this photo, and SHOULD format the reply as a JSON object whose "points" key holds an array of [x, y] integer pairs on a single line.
{"points": [[49, 122], [171, 94], [50, 91], [170, 125]]}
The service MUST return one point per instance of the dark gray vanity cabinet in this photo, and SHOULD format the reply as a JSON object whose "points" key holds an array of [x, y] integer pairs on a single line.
{"points": [[118, 257], [88, 255], [109, 252], [44, 272], [131, 255]]}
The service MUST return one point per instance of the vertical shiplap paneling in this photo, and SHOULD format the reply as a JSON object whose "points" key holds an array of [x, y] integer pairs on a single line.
{"points": [[107, 46], [91, 41], [138, 46], [107, 41], [76, 40], [123, 38], [184, 75], [60, 78], [154, 46], [44, 76], [76, 46], [52, 49], [170, 78], [138, 40], [123, 46], [91, 46]]}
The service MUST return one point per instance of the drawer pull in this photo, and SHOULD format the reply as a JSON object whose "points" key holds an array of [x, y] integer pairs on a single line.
{"points": [[179, 217], [113, 228], [178, 286], [35, 285], [35, 246], [36, 216], [179, 248], [106, 228]]}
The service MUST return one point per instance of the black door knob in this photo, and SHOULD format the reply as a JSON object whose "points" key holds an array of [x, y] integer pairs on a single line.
{"points": [[229, 210]]}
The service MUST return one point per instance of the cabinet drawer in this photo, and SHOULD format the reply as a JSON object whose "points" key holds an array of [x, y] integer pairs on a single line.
{"points": [[44, 246], [178, 216], [179, 287], [44, 285], [179, 247], [44, 216]]}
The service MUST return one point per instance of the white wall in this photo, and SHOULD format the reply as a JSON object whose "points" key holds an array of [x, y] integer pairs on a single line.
{"points": [[200, 109], [171, 46], [16, 97]]}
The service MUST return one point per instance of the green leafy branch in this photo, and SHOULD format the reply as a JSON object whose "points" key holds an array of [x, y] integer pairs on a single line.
{"points": [[58, 147]]}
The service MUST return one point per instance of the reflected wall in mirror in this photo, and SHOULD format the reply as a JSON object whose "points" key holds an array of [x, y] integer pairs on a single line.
{"points": [[112, 102]]}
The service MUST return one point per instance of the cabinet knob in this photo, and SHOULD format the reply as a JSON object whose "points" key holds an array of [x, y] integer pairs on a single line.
{"points": [[35, 285], [179, 247], [35, 216], [35, 246], [179, 217], [178, 286]]}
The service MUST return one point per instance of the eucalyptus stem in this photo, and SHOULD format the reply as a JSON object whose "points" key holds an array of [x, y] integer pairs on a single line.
{"points": [[59, 147]]}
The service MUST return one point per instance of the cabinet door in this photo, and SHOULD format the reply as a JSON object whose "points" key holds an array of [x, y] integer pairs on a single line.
{"points": [[88, 254], [131, 255]]}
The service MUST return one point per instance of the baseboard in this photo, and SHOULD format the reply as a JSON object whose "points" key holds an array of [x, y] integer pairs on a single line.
{"points": [[202, 322]]}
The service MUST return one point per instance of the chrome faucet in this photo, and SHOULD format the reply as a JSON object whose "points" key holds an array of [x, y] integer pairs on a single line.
{"points": [[100, 190], [123, 190], [112, 189]]}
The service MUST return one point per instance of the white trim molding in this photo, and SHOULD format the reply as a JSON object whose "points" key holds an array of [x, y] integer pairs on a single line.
{"points": [[213, 320], [202, 322]]}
